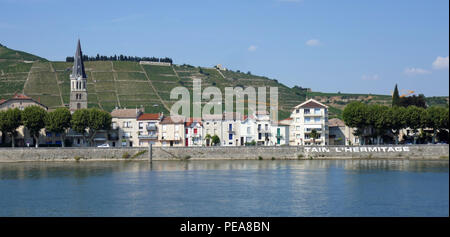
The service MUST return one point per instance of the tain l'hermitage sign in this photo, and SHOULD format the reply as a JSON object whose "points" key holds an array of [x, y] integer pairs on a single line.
{"points": [[358, 149]]}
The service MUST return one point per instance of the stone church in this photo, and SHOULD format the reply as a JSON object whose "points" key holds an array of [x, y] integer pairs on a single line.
{"points": [[78, 83]]}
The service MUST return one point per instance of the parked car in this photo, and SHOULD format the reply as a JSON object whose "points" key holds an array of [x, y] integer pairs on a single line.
{"points": [[104, 145]]}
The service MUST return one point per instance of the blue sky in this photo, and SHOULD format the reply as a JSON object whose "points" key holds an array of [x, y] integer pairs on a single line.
{"points": [[349, 46]]}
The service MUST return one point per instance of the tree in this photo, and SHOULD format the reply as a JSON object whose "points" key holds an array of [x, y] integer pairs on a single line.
{"points": [[355, 115], [10, 120], [33, 117], [397, 116], [314, 135], [58, 121], [395, 97], [435, 118], [215, 140], [418, 101], [414, 119], [379, 119], [89, 121], [208, 139]]}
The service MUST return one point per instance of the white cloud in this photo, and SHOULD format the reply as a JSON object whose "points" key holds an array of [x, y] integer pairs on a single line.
{"points": [[374, 77], [440, 63], [411, 71], [313, 42], [252, 48]]}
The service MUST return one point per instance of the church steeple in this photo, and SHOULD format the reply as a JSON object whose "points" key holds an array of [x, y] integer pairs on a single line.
{"points": [[78, 82], [78, 65]]}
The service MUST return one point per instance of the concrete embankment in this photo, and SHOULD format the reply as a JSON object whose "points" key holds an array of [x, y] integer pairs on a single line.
{"points": [[413, 152]]}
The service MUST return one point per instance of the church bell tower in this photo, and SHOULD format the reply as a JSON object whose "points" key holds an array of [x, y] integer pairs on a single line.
{"points": [[78, 83]]}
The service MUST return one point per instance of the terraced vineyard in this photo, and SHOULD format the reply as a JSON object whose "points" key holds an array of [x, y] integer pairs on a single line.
{"points": [[129, 85]]}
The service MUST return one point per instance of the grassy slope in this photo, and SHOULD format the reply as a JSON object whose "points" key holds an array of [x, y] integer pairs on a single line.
{"points": [[130, 85]]}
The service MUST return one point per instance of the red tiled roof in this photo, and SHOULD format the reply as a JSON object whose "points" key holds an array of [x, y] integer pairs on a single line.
{"points": [[335, 122], [149, 117], [312, 104], [21, 96], [24, 97], [189, 121], [125, 113], [172, 120]]}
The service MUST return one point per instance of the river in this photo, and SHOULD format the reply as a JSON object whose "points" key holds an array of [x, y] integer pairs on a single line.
{"points": [[226, 188]]}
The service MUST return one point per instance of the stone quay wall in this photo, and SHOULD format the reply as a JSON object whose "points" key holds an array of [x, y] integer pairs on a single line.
{"points": [[419, 152]]}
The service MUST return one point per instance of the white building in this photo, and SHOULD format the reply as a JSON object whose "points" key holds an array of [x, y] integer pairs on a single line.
{"points": [[193, 132], [306, 117], [263, 129], [247, 130], [230, 128], [279, 135], [212, 125], [124, 121], [148, 129]]}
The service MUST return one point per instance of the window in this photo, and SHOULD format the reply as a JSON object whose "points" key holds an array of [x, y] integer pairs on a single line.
{"points": [[298, 136], [317, 111], [306, 111], [140, 125], [230, 136], [230, 127], [317, 120], [297, 128], [114, 125], [127, 124], [249, 130], [297, 120], [259, 136], [126, 135], [266, 127], [297, 111], [164, 127], [177, 128], [307, 119]]}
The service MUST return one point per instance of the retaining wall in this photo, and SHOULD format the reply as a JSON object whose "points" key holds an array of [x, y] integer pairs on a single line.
{"points": [[204, 153]]}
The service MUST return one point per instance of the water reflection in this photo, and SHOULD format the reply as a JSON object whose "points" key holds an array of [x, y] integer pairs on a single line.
{"points": [[80, 170], [226, 188]]}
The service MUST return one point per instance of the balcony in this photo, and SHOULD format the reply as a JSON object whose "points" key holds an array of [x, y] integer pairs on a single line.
{"points": [[310, 130], [195, 135], [314, 114], [148, 136], [264, 130], [151, 127]]}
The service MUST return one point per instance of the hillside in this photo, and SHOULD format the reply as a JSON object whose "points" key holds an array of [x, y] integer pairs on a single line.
{"points": [[128, 84]]}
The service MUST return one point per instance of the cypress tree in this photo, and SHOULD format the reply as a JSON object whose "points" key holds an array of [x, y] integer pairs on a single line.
{"points": [[395, 97]]}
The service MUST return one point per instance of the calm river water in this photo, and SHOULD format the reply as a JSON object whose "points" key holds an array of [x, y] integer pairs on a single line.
{"points": [[226, 188]]}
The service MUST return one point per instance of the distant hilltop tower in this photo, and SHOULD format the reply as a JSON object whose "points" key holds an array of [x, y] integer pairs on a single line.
{"points": [[78, 84]]}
